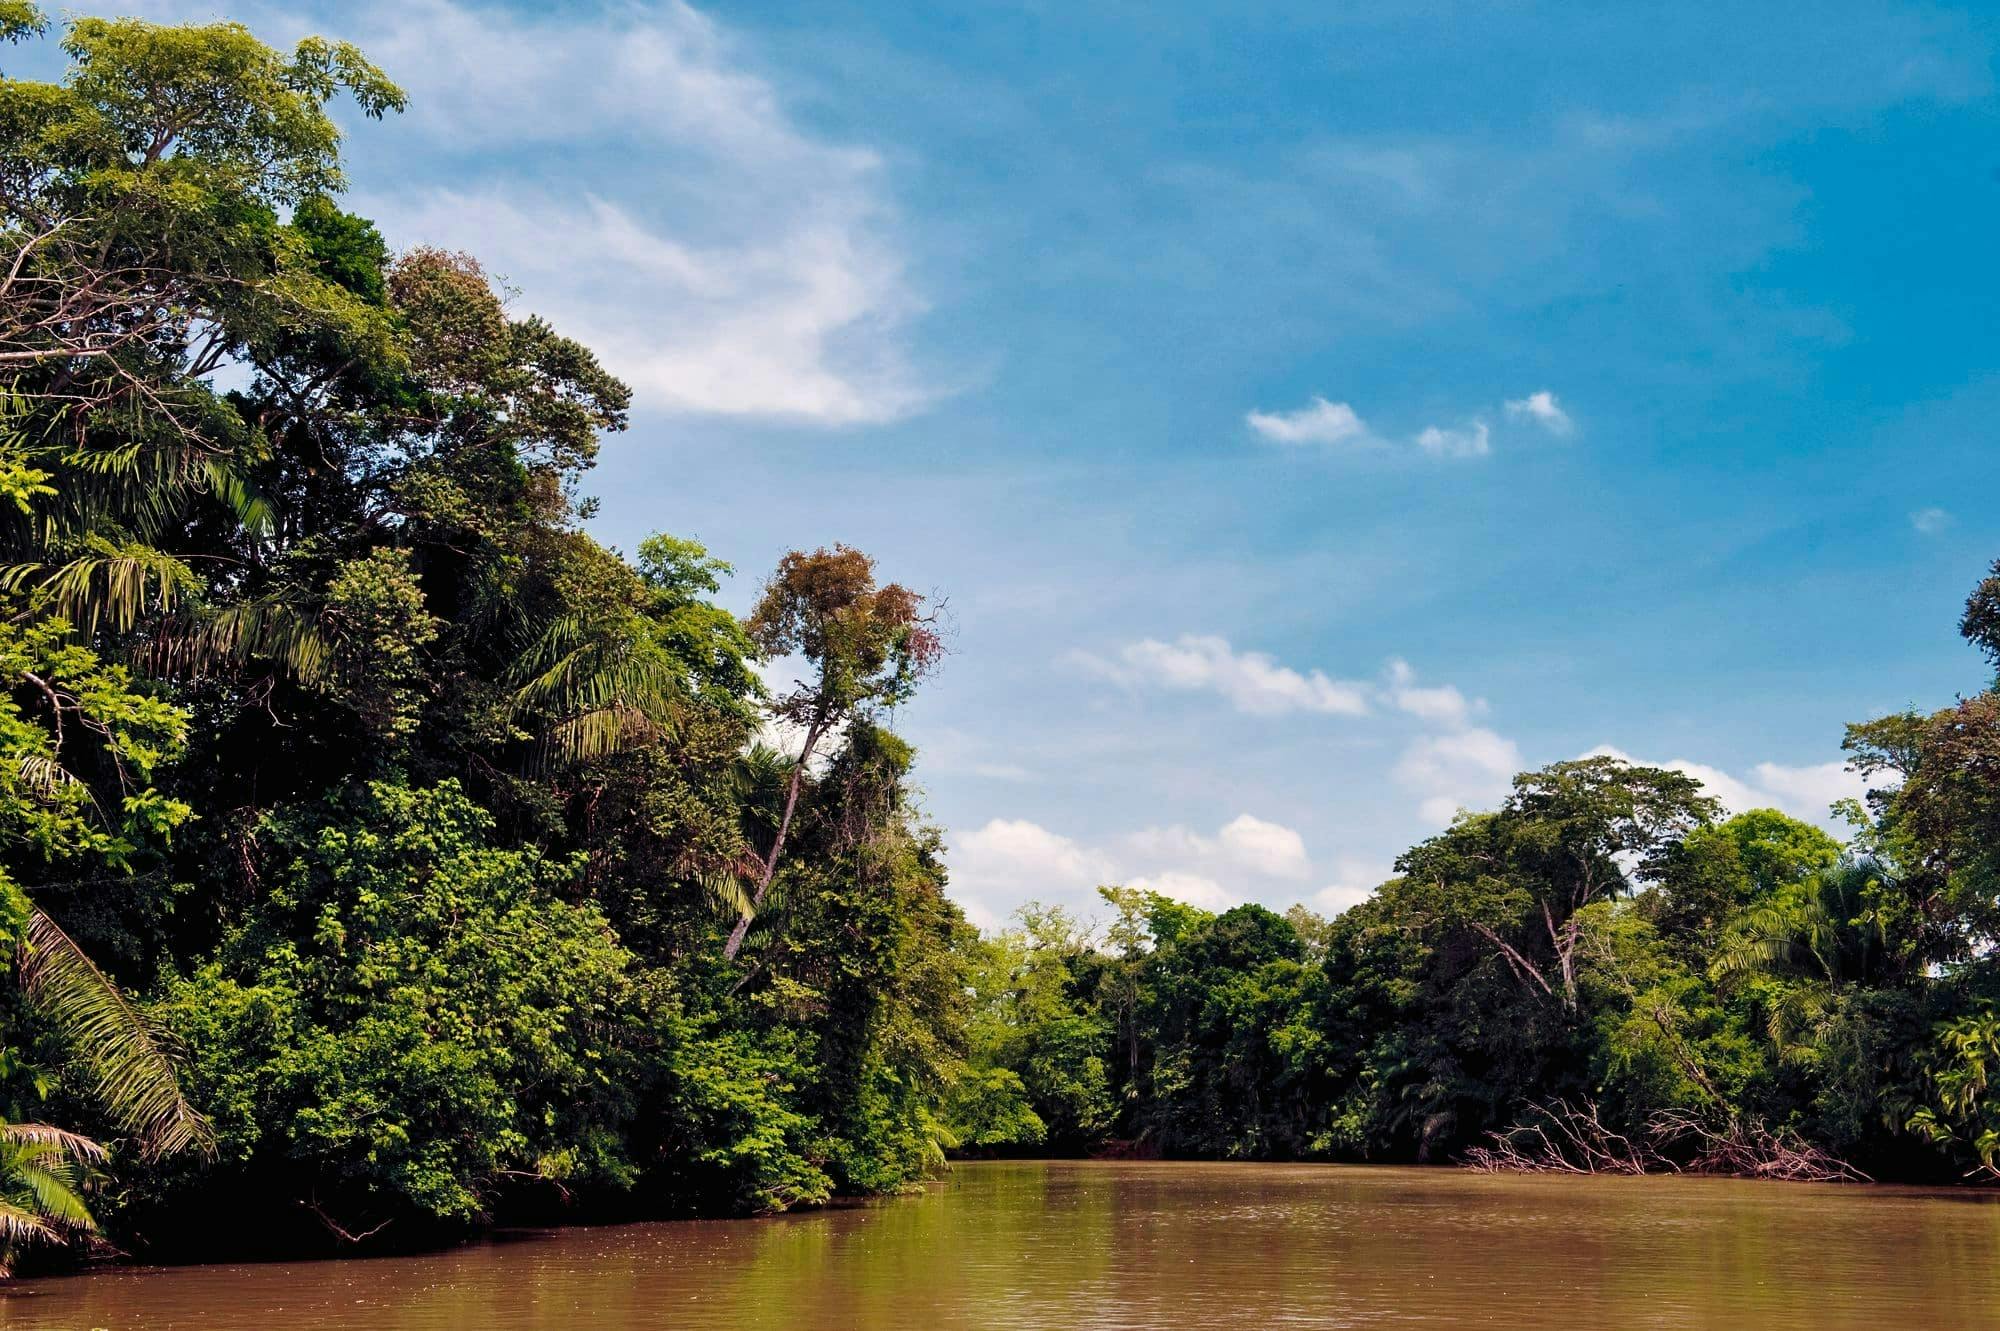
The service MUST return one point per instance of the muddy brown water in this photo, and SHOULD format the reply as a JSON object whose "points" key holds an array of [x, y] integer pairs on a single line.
{"points": [[1132, 1246]]}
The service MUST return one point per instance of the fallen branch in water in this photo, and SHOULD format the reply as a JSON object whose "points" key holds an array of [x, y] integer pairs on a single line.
{"points": [[1565, 1138], [335, 1228], [1751, 1150], [1562, 1138]]}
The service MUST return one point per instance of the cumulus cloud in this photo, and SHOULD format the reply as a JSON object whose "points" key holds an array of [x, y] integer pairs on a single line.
{"points": [[1251, 681], [1541, 408], [1318, 422], [1244, 845], [1267, 848], [1804, 792], [1012, 860], [1466, 769], [1930, 521], [752, 269], [1472, 441], [1193, 888]]}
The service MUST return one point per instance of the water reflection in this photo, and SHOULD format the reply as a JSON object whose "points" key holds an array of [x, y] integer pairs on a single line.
{"points": [[1114, 1246]]}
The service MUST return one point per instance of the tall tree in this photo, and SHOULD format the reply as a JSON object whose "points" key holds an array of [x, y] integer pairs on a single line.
{"points": [[865, 646]]}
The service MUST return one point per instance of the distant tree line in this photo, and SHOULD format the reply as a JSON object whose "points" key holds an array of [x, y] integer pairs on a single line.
{"points": [[1604, 973]]}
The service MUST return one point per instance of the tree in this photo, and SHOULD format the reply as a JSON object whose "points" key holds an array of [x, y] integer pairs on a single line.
{"points": [[867, 646], [409, 1020], [137, 209], [1519, 878]]}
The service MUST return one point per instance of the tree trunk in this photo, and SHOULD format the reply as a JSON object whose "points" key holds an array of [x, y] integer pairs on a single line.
{"points": [[770, 870]]}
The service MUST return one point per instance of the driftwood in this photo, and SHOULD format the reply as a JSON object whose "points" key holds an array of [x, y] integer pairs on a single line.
{"points": [[1565, 1138]]}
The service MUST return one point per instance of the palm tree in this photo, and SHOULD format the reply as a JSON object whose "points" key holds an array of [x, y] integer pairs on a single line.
{"points": [[1817, 937]]}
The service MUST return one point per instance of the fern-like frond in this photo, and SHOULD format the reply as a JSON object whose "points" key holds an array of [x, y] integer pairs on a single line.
{"points": [[45, 775], [18, 1225]]}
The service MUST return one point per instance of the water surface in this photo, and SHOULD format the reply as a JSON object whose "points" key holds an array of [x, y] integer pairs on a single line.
{"points": [[1126, 1246]]}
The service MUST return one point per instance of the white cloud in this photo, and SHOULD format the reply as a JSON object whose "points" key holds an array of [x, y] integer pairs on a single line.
{"points": [[1025, 845], [1930, 521], [1195, 890], [1252, 681], [1542, 409], [1803, 792], [1319, 422], [1471, 442], [1440, 704], [1002, 772], [1337, 424], [1012, 860], [1245, 845], [1468, 769], [1354, 881], [655, 199], [1267, 848], [1811, 789]]}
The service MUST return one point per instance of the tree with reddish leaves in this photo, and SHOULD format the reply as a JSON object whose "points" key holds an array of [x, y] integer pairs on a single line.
{"points": [[868, 646]]}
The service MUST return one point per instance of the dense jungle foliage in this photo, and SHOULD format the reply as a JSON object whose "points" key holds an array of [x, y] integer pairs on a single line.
{"points": [[383, 856]]}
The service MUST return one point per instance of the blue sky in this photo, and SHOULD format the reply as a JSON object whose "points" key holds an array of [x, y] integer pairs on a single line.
{"points": [[1312, 413]]}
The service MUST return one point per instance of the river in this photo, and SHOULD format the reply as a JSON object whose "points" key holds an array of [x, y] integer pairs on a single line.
{"points": [[1127, 1246]]}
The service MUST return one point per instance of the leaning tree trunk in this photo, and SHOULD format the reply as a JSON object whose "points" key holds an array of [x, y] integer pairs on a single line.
{"points": [[770, 869]]}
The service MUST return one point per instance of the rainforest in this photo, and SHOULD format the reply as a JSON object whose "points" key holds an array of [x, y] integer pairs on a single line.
{"points": [[384, 858]]}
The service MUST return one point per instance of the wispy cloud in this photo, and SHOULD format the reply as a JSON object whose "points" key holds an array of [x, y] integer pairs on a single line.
{"points": [[1471, 441], [637, 179], [1930, 521], [1542, 409], [1251, 681], [1318, 422]]}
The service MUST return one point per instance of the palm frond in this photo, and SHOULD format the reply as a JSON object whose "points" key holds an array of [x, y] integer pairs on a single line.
{"points": [[281, 632], [53, 1188], [19, 1225], [112, 585], [727, 892], [45, 775], [72, 1144], [591, 689], [135, 1078], [251, 508]]}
